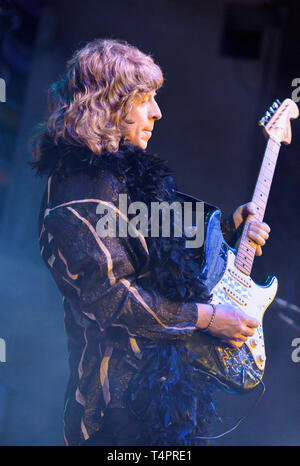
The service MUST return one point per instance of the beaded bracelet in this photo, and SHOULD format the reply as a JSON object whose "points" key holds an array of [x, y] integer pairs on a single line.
{"points": [[211, 319]]}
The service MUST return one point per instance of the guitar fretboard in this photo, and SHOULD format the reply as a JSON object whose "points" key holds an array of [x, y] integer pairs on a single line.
{"points": [[246, 251]]}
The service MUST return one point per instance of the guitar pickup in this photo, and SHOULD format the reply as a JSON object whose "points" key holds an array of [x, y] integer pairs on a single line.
{"points": [[235, 296], [239, 278]]}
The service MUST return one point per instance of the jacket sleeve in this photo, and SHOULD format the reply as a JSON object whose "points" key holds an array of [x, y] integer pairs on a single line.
{"points": [[99, 273]]}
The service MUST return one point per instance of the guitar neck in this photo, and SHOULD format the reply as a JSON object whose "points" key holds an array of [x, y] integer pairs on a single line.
{"points": [[246, 250]]}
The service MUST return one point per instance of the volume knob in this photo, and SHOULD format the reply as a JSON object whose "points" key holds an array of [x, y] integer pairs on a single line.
{"points": [[253, 343], [261, 358]]}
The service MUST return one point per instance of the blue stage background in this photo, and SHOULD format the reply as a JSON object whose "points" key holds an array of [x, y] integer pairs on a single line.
{"points": [[224, 64]]}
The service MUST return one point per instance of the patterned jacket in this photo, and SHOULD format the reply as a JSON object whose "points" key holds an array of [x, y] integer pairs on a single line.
{"points": [[110, 318]]}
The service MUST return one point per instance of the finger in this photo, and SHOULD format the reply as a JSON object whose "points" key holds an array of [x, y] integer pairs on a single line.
{"points": [[241, 337], [250, 208], [252, 323], [263, 226], [236, 344], [257, 228], [247, 332], [256, 237], [258, 251]]}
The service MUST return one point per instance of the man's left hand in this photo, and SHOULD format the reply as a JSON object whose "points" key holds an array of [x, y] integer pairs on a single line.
{"points": [[257, 231]]}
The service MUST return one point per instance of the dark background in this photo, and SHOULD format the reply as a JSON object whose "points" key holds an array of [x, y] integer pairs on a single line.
{"points": [[225, 63]]}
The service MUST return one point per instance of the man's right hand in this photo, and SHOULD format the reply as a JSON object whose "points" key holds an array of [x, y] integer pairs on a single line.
{"points": [[230, 324]]}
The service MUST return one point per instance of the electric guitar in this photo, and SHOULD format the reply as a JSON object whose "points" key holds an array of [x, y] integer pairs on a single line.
{"points": [[228, 273]]}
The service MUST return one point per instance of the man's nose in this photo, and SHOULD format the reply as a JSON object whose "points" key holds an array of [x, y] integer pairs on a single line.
{"points": [[155, 112]]}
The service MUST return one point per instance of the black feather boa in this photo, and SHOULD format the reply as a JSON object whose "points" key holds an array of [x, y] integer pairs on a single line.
{"points": [[175, 270], [170, 396]]}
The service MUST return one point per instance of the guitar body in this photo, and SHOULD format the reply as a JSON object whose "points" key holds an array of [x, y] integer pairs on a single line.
{"points": [[236, 369]]}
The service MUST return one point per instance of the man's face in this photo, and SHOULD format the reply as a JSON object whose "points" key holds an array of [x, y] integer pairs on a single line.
{"points": [[143, 113]]}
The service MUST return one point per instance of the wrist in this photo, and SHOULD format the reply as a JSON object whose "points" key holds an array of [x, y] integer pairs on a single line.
{"points": [[205, 314]]}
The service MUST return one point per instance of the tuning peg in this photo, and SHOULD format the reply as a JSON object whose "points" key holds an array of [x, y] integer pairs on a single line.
{"points": [[262, 122], [276, 104], [273, 109]]}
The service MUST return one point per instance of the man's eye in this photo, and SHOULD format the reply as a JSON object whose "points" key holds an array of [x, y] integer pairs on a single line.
{"points": [[146, 98]]}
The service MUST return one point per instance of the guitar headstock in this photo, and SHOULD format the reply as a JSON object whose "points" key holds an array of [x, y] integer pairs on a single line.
{"points": [[276, 121]]}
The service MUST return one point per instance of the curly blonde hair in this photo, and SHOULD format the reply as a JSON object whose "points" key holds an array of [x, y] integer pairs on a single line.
{"points": [[89, 105]]}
